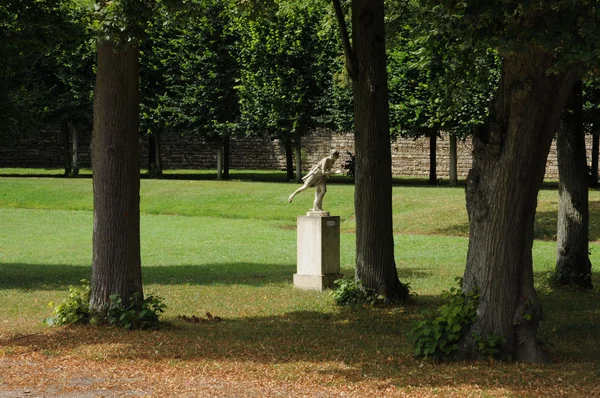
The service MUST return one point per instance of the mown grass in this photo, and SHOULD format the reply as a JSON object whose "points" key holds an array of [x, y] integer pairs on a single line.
{"points": [[229, 248]]}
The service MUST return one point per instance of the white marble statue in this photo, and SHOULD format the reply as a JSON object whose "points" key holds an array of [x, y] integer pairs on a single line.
{"points": [[317, 177]]}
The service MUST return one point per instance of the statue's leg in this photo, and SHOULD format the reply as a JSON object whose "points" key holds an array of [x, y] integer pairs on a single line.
{"points": [[297, 191], [319, 193]]}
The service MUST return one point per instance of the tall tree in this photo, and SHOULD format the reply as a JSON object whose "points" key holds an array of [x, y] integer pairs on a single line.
{"points": [[116, 263], [436, 82], [510, 153], [286, 73], [573, 266], [366, 64], [45, 74]]}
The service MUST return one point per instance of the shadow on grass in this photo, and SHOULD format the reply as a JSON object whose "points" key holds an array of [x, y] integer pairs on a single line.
{"points": [[544, 227], [61, 276], [351, 344]]}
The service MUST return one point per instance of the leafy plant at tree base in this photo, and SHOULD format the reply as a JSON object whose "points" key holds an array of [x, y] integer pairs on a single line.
{"points": [[76, 310], [438, 338], [489, 346], [351, 292], [129, 318]]}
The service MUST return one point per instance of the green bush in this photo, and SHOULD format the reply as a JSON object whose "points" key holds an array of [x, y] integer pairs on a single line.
{"points": [[129, 318], [75, 309], [438, 338], [347, 291], [490, 345]]}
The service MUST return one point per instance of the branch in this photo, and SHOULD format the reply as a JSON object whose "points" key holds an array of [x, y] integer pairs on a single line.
{"points": [[351, 64]]}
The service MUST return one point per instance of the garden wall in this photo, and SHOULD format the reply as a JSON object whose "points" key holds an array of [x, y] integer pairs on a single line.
{"points": [[409, 157]]}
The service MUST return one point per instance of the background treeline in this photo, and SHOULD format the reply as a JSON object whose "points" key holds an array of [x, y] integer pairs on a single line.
{"points": [[217, 70]]}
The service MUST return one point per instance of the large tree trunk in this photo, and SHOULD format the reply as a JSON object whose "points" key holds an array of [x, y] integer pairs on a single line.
{"points": [[375, 265], [453, 181], [573, 266], [116, 265], [289, 159], [432, 159], [298, 149], [509, 158], [226, 157]]}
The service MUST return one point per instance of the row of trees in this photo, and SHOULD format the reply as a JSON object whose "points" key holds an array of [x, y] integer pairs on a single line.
{"points": [[216, 69]]}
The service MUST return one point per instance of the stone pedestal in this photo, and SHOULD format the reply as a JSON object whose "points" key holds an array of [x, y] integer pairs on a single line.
{"points": [[318, 251]]}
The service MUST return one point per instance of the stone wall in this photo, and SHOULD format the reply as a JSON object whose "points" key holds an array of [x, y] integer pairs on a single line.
{"points": [[409, 157]]}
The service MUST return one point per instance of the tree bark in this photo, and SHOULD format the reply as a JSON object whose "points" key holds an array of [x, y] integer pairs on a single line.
{"points": [[298, 161], [509, 158], [65, 149], [453, 181], [289, 159], [432, 158], [375, 265], [75, 154], [595, 150], [116, 264], [158, 153], [151, 155], [573, 266], [219, 161], [226, 157]]}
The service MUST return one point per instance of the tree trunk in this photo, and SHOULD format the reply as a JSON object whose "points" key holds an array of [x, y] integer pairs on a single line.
{"points": [[595, 150], [432, 159], [116, 264], [298, 161], [65, 149], [75, 165], [158, 153], [573, 266], [289, 159], [151, 155], [509, 159], [219, 161], [226, 157], [375, 265], [453, 162]]}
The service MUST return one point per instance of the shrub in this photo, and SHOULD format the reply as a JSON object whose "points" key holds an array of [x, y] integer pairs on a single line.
{"points": [[350, 292], [350, 165], [75, 309], [438, 338], [129, 318]]}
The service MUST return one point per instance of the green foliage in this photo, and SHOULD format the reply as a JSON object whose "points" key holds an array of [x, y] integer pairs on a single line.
{"points": [[287, 74], [75, 309], [46, 73], [349, 292], [350, 165], [438, 338], [567, 29], [489, 346], [436, 82], [129, 318]]}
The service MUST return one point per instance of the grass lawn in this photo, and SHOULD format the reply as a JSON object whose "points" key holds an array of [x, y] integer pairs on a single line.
{"points": [[229, 248]]}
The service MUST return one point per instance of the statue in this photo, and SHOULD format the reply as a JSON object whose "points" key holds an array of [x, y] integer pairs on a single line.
{"points": [[316, 177]]}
